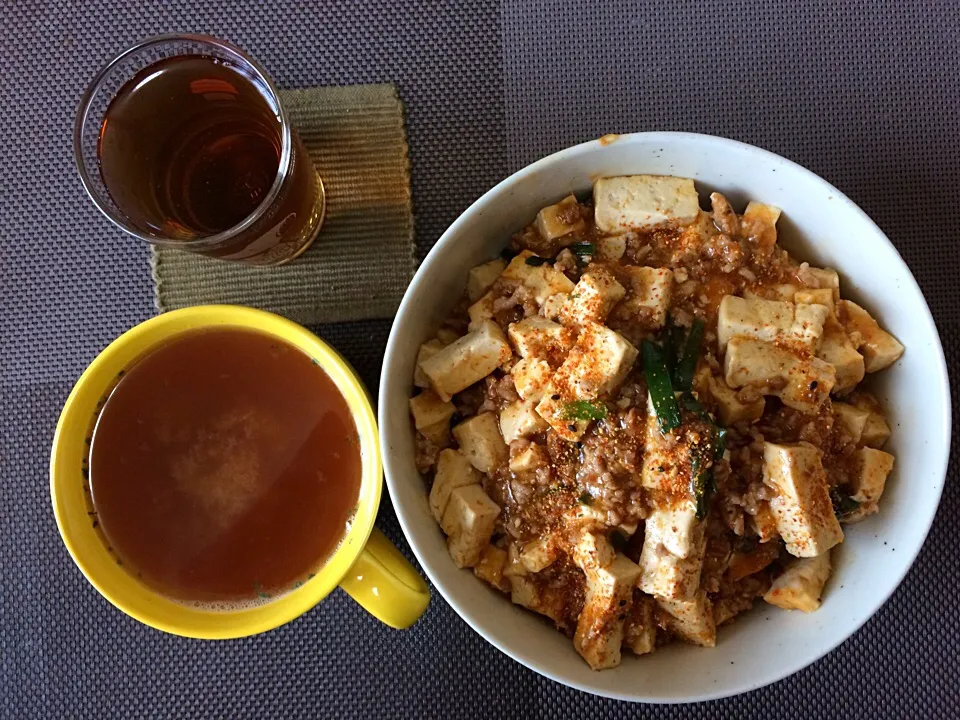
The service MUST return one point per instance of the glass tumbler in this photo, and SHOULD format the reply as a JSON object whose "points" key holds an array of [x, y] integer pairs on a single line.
{"points": [[182, 141]]}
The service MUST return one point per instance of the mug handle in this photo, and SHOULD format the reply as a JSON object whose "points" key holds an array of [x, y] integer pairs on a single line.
{"points": [[386, 585]]}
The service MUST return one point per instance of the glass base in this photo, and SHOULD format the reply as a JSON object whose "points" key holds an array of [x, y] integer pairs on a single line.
{"points": [[322, 202]]}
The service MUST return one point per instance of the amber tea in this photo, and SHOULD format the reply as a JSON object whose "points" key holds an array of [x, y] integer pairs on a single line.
{"points": [[195, 151]]}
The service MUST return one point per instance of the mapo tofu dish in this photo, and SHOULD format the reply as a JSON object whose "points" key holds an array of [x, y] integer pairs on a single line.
{"points": [[645, 417]]}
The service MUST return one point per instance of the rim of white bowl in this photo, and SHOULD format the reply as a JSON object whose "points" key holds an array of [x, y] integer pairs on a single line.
{"points": [[526, 659]]}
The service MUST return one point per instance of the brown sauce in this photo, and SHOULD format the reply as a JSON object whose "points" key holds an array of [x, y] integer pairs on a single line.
{"points": [[224, 467]]}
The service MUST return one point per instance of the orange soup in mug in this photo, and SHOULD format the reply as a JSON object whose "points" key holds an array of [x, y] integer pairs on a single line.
{"points": [[215, 473]]}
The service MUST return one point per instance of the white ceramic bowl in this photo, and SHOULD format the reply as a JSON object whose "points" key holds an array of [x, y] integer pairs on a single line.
{"points": [[819, 224]]}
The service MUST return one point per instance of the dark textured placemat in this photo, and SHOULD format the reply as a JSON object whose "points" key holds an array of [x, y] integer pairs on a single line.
{"points": [[363, 259], [862, 93]]}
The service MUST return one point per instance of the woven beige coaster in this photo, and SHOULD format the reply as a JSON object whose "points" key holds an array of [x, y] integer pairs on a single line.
{"points": [[363, 259]]}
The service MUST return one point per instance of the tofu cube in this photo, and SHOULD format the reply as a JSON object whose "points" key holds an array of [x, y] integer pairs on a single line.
{"points": [[555, 413], [540, 554], [468, 522], [676, 528], [873, 468], [759, 212], [447, 336], [759, 223], [649, 294], [664, 574], [481, 311], [782, 293], [518, 270], [821, 278], [800, 586], [426, 351], [555, 221], [836, 349], [592, 298], [752, 317], [592, 551], [599, 634], [588, 519], [514, 566], [541, 599], [691, 619], [598, 363], [453, 471], [611, 249], [801, 506], [663, 462], [800, 382], [730, 408], [880, 349], [640, 627], [481, 442], [808, 323], [770, 320], [553, 305], [876, 431], [520, 419], [431, 416], [481, 277], [853, 419], [531, 378], [640, 201], [468, 360], [528, 459], [593, 518], [438, 433], [490, 566], [543, 280], [537, 337], [822, 296]]}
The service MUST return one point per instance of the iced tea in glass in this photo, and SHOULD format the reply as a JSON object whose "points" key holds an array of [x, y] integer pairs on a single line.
{"points": [[182, 141]]}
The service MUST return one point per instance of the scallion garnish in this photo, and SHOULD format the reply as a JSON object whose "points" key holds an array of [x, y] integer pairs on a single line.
{"points": [[661, 389], [584, 410], [688, 356]]}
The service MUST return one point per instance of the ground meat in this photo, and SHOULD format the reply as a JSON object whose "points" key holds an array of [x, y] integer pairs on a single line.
{"points": [[734, 598], [426, 456], [564, 582], [782, 424], [724, 217], [567, 264], [530, 239], [756, 495], [512, 307], [716, 557], [681, 317], [564, 458], [498, 392], [610, 462], [468, 402], [725, 250]]}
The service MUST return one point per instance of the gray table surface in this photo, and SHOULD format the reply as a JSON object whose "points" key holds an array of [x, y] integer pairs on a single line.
{"points": [[865, 94]]}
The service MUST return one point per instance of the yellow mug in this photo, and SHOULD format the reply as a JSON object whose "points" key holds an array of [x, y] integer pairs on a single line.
{"points": [[366, 565]]}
